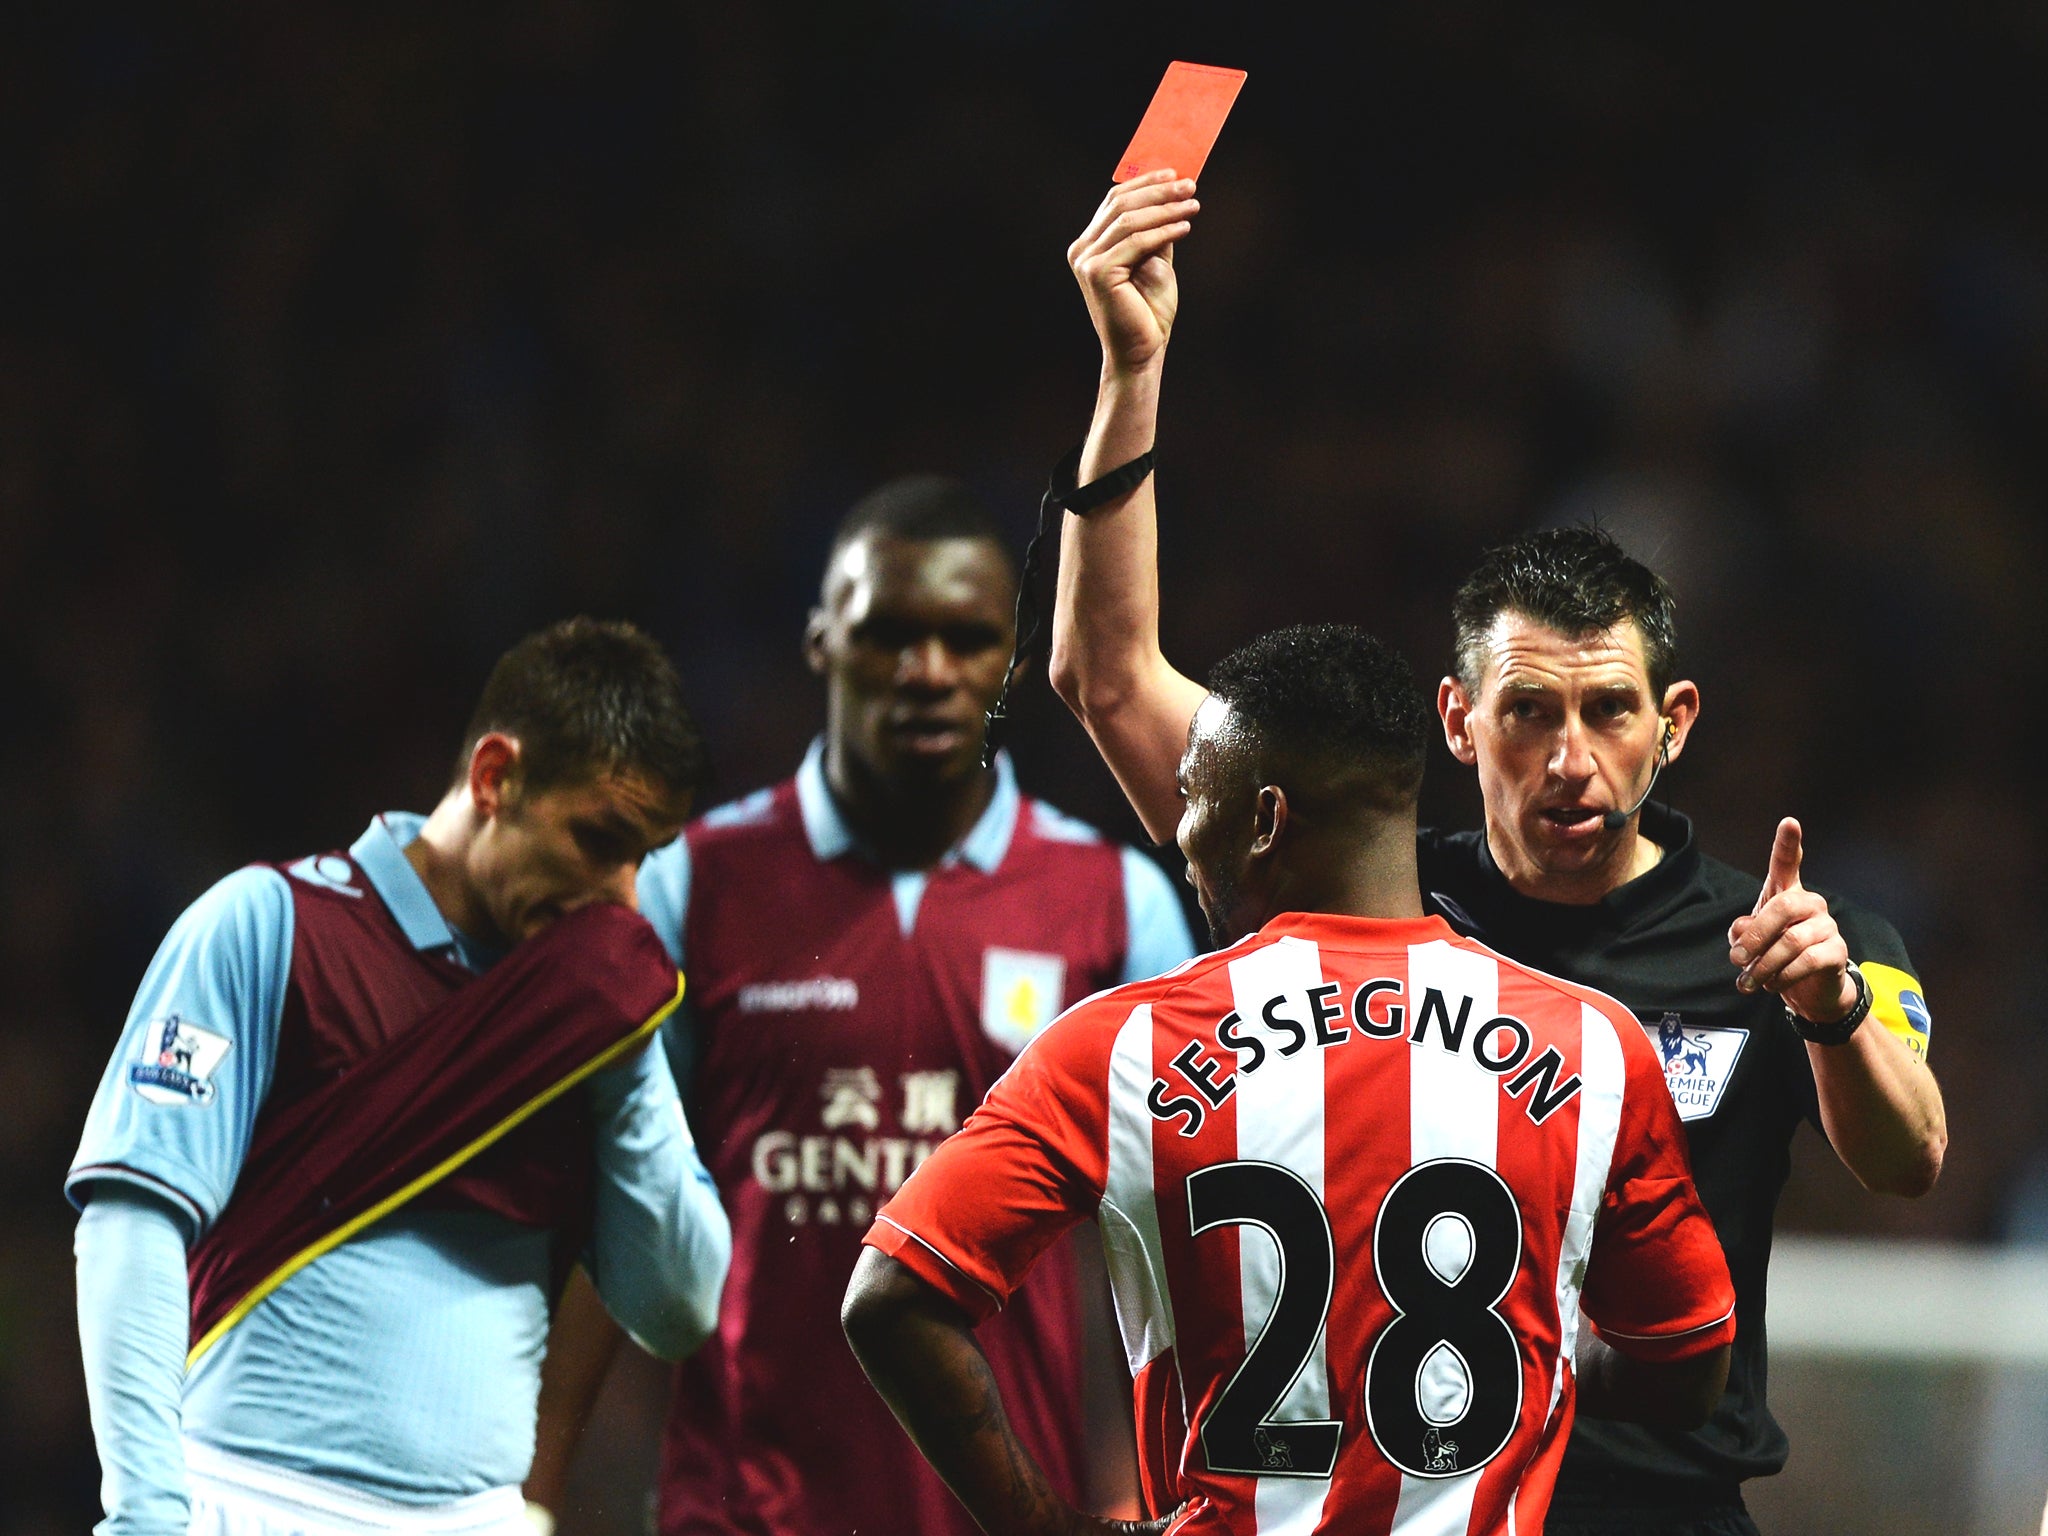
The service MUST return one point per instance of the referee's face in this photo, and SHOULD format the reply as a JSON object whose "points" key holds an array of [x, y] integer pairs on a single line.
{"points": [[912, 637], [1564, 729]]}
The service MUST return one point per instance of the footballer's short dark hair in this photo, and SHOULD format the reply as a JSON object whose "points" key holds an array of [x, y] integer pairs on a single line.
{"points": [[1331, 697], [586, 698], [919, 507], [1577, 581]]}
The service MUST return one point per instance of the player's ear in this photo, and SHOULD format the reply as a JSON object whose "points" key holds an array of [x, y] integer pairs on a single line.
{"points": [[1269, 820], [1682, 709], [814, 641], [1456, 711], [493, 772]]}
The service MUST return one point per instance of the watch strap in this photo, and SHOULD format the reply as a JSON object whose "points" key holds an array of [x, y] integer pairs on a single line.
{"points": [[1837, 1033]]}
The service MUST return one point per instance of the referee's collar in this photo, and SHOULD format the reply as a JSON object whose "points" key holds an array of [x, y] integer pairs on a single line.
{"points": [[1668, 829], [831, 837]]}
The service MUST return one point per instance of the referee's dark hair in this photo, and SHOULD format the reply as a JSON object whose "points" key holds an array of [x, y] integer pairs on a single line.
{"points": [[586, 698], [1331, 701], [918, 507], [1574, 580]]}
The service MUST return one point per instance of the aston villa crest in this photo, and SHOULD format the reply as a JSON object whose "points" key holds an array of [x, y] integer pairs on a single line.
{"points": [[1698, 1062], [1021, 993]]}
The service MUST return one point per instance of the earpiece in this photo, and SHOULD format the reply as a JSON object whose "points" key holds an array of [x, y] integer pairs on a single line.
{"points": [[1614, 821]]}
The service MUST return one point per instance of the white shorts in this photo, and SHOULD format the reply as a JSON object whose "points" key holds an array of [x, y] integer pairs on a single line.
{"points": [[234, 1496]]}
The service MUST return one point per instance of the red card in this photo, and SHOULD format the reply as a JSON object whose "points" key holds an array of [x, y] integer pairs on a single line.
{"points": [[1180, 127]]}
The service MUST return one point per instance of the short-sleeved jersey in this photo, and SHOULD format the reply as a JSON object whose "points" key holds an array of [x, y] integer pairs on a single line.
{"points": [[844, 1019], [1741, 1078], [1356, 1179]]}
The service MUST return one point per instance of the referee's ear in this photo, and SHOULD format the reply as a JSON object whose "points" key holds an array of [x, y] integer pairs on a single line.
{"points": [[1682, 709], [1456, 711]]}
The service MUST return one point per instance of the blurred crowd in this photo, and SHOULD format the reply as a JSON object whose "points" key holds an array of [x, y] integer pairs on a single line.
{"points": [[341, 349]]}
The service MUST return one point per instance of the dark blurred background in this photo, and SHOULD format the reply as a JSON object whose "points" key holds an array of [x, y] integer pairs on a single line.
{"points": [[339, 350]]}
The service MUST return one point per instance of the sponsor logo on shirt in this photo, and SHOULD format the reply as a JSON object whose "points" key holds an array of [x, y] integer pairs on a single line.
{"points": [[1020, 993], [833, 993], [178, 1058], [1698, 1062], [852, 1096], [842, 1178]]}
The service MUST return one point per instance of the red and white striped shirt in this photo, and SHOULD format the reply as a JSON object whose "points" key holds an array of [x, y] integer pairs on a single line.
{"points": [[1356, 1179]]}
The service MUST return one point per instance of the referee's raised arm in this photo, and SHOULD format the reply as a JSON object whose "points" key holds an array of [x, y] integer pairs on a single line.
{"points": [[1106, 662]]}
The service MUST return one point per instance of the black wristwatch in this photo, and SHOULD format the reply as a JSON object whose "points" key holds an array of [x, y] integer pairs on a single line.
{"points": [[1837, 1033]]}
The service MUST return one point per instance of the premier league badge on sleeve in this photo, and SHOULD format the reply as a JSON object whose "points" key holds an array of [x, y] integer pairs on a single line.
{"points": [[1020, 994], [178, 1058], [1698, 1062]]}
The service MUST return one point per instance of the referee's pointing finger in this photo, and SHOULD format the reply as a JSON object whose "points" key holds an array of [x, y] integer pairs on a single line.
{"points": [[1785, 855], [1747, 937]]}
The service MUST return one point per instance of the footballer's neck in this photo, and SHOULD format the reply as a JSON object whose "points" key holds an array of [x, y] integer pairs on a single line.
{"points": [[440, 857], [907, 824], [1362, 867]]}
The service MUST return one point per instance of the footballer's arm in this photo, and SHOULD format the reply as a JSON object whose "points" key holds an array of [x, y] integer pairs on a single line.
{"points": [[918, 1349], [134, 1322], [655, 1268], [661, 1243], [1106, 662], [582, 1342]]}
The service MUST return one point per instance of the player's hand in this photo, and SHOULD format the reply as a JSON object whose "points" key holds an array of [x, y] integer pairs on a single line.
{"points": [[1099, 1526], [1789, 944], [1124, 264]]}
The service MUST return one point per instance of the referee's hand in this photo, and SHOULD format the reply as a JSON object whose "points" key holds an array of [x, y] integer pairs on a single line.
{"points": [[1124, 264], [1790, 944]]}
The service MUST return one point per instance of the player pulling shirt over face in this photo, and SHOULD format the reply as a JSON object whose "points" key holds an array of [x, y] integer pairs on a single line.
{"points": [[312, 1047]]}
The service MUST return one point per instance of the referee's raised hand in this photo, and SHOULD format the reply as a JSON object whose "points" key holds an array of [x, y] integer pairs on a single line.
{"points": [[1124, 264], [1789, 944]]}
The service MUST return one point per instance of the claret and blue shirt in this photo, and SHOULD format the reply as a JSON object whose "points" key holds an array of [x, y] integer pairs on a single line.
{"points": [[405, 1363], [844, 1017]]}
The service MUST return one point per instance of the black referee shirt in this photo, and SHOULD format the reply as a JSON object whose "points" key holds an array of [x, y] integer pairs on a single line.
{"points": [[1738, 1072]]}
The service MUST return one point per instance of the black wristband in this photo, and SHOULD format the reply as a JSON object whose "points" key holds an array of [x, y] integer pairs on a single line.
{"points": [[1081, 500], [1061, 495], [1837, 1033]]}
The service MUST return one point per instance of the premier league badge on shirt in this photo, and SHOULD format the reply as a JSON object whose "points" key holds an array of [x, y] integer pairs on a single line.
{"points": [[1698, 1062], [1020, 993], [178, 1058]]}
